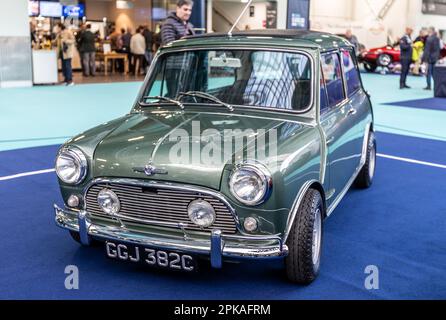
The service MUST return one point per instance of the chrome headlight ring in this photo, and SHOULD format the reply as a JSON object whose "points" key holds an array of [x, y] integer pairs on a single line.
{"points": [[71, 165], [251, 183]]}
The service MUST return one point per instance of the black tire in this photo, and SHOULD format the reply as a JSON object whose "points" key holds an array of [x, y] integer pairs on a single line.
{"points": [[365, 177], [300, 267], [76, 237], [370, 67]]}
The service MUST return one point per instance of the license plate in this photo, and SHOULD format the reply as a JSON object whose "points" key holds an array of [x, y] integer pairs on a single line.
{"points": [[151, 257]]}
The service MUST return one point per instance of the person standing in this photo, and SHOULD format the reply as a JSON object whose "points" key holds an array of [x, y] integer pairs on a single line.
{"points": [[138, 49], [353, 39], [115, 40], [126, 38], [148, 36], [431, 55], [88, 49], [176, 25], [406, 57], [78, 43], [418, 47], [65, 48]]}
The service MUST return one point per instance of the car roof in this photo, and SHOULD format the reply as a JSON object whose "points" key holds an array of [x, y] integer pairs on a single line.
{"points": [[294, 38]]}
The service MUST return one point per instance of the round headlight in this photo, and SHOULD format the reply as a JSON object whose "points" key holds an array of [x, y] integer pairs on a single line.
{"points": [[251, 184], [71, 165], [201, 213], [108, 201]]}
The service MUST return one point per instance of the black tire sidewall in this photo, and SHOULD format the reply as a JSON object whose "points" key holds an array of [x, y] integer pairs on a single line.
{"points": [[364, 180], [371, 146], [299, 263]]}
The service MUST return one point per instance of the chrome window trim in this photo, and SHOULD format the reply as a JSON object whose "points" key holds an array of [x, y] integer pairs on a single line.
{"points": [[356, 68], [236, 47], [346, 99], [164, 185]]}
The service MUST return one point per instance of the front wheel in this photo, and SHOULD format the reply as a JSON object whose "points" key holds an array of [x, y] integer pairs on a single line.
{"points": [[76, 237], [370, 67], [305, 240], [365, 177]]}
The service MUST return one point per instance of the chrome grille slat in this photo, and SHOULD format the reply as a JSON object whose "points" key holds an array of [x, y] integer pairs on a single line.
{"points": [[220, 222], [141, 208], [156, 214], [159, 204], [224, 228]]}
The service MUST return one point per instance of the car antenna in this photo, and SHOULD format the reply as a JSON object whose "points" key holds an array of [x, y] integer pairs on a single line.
{"points": [[238, 19]]}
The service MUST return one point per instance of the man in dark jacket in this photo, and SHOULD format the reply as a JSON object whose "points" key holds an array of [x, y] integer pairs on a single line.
{"points": [[176, 25], [148, 36], [126, 37], [406, 56], [87, 47], [431, 55], [174, 28]]}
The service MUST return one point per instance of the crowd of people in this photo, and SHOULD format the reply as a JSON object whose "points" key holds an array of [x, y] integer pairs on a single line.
{"points": [[139, 46], [424, 49]]}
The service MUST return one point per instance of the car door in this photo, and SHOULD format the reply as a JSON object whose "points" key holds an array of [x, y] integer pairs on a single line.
{"points": [[358, 102], [337, 124]]}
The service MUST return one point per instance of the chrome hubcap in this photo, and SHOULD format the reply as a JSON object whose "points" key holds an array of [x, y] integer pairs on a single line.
{"points": [[317, 233], [384, 60], [372, 161]]}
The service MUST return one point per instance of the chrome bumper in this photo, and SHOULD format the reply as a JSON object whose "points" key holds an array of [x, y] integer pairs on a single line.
{"points": [[218, 246]]}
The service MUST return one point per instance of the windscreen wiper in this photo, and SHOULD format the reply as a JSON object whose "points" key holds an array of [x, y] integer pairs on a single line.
{"points": [[175, 102], [205, 95]]}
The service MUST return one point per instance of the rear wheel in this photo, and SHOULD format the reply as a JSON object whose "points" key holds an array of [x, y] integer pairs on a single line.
{"points": [[365, 176], [305, 240]]}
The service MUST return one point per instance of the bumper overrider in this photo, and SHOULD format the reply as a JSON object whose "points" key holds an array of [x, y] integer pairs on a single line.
{"points": [[217, 247]]}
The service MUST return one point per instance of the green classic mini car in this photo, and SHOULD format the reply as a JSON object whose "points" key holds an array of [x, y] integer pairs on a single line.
{"points": [[237, 147]]}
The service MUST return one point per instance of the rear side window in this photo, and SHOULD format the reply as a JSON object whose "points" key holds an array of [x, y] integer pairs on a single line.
{"points": [[323, 94], [351, 72], [331, 68]]}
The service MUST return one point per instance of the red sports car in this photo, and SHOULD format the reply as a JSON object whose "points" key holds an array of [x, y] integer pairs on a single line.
{"points": [[383, 57], [379, 57]]}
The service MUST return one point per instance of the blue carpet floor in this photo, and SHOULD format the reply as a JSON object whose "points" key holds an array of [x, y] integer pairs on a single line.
{"points": [[430, 103], [398, 225]]}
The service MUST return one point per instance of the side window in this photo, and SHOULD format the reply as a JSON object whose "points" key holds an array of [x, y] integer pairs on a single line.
{"points": [[323, 93], [331, 67], [351, 72]]}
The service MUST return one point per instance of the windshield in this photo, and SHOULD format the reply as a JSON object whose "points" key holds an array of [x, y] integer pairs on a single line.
{"points": [[280, 80]]}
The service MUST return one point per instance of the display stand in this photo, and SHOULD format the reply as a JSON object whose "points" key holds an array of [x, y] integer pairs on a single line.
{"points": [[45, 67], [440, 81]]}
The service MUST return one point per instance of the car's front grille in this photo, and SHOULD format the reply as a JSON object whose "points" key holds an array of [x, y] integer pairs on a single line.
{"points": [[163, 205]]}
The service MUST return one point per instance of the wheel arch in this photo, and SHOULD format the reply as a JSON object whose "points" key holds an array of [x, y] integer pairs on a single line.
{"points": [[312, 184], [319, 187]]}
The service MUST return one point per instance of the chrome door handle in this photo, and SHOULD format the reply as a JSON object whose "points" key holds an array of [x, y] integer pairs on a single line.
{"points": [[351, 112], [330, 140]]}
